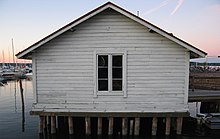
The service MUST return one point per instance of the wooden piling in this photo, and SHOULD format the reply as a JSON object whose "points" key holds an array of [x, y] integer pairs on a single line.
{"points": [[124, 126], [48, 124], [179, 122], [53, 125], [57, 122], [70, 125], [136, 126], [41, 123], [110, 126], [99, 130], [131, 127], [154, 126], [22, 105], [88, 125], [167, 132], [44, 122]]}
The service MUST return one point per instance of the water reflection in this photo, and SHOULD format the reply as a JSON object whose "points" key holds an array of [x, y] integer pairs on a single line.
{"points": [[15, 105], [15, 95], [22, 105]]}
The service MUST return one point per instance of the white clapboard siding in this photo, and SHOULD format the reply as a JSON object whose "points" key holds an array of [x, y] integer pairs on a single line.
{"points": [[156, 68]]}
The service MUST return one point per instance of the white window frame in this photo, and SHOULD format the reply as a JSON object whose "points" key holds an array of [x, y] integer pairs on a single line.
{"points": [[124, 74]]}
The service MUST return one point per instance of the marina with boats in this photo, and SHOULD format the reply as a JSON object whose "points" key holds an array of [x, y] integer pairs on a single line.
{"points": [[11, 72]]}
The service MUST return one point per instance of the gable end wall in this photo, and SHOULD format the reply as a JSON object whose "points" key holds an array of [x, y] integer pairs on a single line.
{"points": [[156, 68]]}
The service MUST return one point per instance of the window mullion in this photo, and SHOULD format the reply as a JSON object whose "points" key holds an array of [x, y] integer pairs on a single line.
{"points": [[110, 73]]}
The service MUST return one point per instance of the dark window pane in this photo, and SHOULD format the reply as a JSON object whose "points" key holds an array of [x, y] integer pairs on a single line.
{"points": [[117, 60], [103, 85], [117, 85], [102, 73], [117, 73], [103, 60]]}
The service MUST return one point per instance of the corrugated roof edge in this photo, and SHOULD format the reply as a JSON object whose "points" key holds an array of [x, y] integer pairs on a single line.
{"points": [[26, 51]]}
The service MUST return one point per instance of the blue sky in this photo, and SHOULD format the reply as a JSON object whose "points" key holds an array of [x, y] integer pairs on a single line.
{"points": [[27, 21]]}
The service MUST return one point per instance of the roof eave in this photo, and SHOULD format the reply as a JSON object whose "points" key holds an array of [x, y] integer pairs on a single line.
{"points": [[62, 30], [92, 13], [156, 29]]}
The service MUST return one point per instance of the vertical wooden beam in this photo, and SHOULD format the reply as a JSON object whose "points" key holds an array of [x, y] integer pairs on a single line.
{"points": [[179, 122], [154, 126], [44, 122], [136, 126], [88, 125], [57, 122], [131, 127], [48, 124], [168, 119], [70, 124], [41, 123], [53, 125], [124, 126], [99, 130], [110, 126]]}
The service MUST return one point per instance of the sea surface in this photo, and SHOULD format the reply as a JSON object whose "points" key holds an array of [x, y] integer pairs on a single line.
{"points": [[17, 123]]}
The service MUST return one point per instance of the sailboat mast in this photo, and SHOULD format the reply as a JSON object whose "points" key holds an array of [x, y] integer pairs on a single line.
{"points": [[3, 59], [13, 51]]}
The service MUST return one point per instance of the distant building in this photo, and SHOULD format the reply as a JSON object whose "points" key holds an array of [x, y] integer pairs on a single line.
{"points": [[207, 61], [111, 63]]}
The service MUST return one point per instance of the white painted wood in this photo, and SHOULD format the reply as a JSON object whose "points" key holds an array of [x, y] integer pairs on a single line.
{"points": [[95, 73], [154, 28], [154, 69], [115, 20], [186, 79], [34, 78], [125, 74]]}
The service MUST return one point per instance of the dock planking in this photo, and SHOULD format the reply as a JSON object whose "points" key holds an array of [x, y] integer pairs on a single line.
{"points": [[204, 95]]}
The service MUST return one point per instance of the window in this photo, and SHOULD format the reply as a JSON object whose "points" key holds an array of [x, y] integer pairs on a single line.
{"points": [[103, 73], [110, 74]]}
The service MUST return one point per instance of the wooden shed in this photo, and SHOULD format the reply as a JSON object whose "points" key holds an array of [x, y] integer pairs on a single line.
{"points": [[111, 63]]}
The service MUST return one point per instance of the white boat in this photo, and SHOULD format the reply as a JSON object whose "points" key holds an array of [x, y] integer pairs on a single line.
{"points": [[29, 76], [11, 75], [8, 75]]}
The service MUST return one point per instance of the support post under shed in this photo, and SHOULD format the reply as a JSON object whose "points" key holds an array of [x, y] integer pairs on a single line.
{"points": [[179, 122], [154, 126], [99, 130], [110, 126], [70, 124], [41, 123]]}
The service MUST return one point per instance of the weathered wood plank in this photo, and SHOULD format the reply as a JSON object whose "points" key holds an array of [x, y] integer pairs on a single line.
{"points": [[65, 68], [70, 125]]}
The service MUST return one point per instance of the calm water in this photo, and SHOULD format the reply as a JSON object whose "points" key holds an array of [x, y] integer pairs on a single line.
{"points": [[16, 123]]}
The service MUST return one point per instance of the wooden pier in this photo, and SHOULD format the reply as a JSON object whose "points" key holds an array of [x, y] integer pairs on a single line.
{"points": [[199, 95], [204, 87], [130, 126]]}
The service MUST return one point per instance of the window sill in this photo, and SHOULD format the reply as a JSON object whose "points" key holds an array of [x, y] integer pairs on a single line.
{"points": [[119, 93]]}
